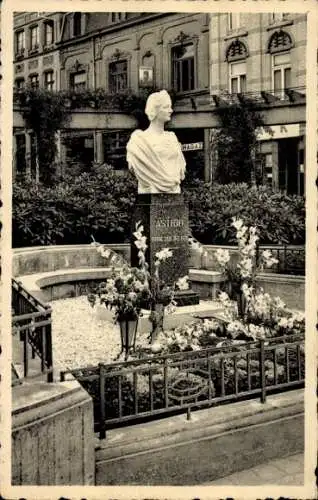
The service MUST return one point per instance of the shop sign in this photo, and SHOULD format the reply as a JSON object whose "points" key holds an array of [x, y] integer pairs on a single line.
{"points": [[193, 146], [279, 132]]}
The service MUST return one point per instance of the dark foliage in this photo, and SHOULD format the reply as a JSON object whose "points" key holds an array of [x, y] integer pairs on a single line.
{"points": [[280, 217], [97, 203], [234, 145], [45, 113], [101, 203]]}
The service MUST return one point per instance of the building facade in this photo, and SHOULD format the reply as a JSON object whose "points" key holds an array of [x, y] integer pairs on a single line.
{"points": [[36, 64], [204, 59], [264, 55], [120, 51]]}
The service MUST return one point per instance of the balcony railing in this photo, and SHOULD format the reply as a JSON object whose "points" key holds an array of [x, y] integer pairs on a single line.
{"points": [[264, 98], [32, 329], [160, 386]]}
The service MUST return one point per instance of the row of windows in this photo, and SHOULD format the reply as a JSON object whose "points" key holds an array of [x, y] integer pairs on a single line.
{"points": [[235, 20], [34, 37], [183, 75], [281, 75], [34, 82], [77, 23]]}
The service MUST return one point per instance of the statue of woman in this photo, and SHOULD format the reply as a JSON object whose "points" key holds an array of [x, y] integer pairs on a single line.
{"points": [[154, 155]]}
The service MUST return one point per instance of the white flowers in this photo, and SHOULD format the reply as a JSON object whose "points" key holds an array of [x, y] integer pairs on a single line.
{"points": [[234, 328], [105, 252], [163, 255], [222, 256], [283, 323], [247, 291], [141, 243], [246, 267], [256, 331], [292, 321], [138, 234], [237, 223], [183, 283], [195, 245], [171, 307], [267, 259]]}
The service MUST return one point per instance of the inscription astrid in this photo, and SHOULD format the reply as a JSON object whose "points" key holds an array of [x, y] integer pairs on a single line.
{"points": [[169, 223]]}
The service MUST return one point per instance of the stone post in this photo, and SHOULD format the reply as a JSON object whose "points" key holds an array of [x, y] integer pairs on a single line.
{"points": [[28, 155], [207, 155], [98, 147], [14, 156]]}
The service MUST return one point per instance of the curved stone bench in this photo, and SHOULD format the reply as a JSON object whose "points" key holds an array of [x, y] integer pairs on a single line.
{"points": [[74, 282], [63, 283], [204, 281], [35, 260], [67, 270]]}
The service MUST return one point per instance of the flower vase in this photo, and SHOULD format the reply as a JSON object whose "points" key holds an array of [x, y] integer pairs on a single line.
{"points": [[156, 319], [128, 332], [241, 303]]}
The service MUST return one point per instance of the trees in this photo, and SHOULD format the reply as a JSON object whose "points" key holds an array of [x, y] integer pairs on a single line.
{"points": [[234, 145], [45, 113]]}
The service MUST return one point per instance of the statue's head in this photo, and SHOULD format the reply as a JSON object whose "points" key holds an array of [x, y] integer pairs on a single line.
{"points": [[155, 102]]}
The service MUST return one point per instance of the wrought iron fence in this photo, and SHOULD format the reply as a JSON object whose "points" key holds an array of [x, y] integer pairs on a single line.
{"points": [[31, 320], [291, 258], [160, 386]]}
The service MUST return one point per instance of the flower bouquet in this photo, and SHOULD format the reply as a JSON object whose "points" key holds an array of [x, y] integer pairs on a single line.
{"points": [[130, 289], [248, 264]]}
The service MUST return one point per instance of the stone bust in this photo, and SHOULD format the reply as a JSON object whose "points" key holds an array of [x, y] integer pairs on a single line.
{"points": [[154, 155]]}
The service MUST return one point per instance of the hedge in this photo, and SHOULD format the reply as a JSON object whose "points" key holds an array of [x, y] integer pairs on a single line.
{"points": [[280, 217], [100, 203]]}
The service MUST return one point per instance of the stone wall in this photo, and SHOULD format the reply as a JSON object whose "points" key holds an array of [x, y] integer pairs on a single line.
{"points": [[34, 260], [52, 435], [291, 289], [82, 258], [213, 444]]}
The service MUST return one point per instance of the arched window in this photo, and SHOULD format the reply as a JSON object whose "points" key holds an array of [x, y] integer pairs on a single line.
{"points": [[279, 47], [279, 41], [236, 50], [236, 55]]}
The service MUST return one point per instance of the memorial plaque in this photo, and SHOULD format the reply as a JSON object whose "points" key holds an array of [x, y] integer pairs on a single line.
{"points": [[166, 225]]}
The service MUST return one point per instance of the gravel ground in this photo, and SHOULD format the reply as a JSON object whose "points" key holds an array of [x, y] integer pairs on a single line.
{"points": [[80, 338]]}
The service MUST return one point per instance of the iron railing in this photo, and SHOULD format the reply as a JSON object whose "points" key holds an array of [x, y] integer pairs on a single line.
{"points": [[259, 97], [291, 258], [160, 386], [31, 320]]}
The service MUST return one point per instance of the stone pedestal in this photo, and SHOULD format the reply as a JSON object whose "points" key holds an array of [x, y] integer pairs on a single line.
{"points": [[165, 219]]}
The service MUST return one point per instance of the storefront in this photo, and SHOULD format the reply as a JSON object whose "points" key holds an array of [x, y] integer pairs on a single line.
{"points": [[282, 157], [78, 146], [194, 150]]}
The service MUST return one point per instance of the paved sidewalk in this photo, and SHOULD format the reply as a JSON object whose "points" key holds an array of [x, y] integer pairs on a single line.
{"points": [[282, 471]]}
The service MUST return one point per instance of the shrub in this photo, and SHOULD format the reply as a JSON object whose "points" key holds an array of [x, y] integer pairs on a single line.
{"points": [[280, 217], [98, 203], [101, 203], [235, 142]]}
